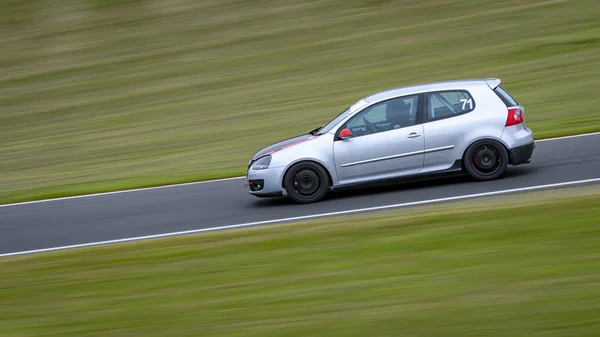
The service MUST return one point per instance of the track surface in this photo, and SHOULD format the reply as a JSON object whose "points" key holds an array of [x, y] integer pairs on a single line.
{"points": [[179, 208]]}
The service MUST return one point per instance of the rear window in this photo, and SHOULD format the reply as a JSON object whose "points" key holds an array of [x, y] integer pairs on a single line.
{"points": [[506, 97]]}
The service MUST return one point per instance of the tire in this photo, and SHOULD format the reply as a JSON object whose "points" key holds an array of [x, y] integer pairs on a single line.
{"points": [[306, 182], [486, 160]]}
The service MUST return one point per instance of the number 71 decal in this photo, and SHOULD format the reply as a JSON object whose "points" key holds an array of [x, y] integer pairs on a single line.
{"points": [[465, 101]]}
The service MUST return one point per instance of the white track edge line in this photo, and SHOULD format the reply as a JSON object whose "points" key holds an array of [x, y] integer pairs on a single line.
{"points": [[206, 181], [567, 137], [311, 216], [119, 192]]}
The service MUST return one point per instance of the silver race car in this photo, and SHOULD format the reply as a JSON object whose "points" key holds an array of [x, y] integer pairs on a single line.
{"points": [[473, 126]]}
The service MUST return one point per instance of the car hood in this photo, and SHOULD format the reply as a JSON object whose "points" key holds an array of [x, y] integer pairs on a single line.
{"points": [[284, 143]]}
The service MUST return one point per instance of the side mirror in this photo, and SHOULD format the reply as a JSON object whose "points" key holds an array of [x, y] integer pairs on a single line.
{"points": [[345, 134]]}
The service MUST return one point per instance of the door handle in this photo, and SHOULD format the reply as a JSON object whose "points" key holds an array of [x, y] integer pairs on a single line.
{"points": [[413, 135]]}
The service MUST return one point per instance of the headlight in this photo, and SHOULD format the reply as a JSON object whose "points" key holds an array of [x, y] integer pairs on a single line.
{"points": [[262, 163]]}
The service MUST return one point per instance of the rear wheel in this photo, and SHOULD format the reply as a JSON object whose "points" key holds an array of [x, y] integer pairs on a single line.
{"points": [[306, 182], [486, 160]]}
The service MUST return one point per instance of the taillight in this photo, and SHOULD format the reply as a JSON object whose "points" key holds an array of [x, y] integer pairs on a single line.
{"points": [[515, 116]]}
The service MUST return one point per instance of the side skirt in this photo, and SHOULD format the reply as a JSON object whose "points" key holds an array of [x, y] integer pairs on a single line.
{"points": [[455, 169]]}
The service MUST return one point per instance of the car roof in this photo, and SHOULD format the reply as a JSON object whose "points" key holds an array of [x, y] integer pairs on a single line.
{"points": [[433, 86]]}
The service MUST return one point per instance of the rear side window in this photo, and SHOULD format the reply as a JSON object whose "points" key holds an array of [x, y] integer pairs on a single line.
{"points": [[506, 97], [446, 104]]}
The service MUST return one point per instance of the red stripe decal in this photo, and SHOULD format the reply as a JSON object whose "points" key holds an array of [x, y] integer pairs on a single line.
{"points": [[289, 145]]}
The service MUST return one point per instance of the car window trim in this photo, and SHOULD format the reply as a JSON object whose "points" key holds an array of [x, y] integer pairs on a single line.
{"points": [[426, 95]]}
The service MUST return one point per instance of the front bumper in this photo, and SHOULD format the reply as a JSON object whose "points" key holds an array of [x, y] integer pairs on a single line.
{"points": [[265, 183], [522, 154]]}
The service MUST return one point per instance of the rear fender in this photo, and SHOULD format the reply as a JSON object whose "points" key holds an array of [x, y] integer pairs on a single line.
{"points": [[494, 139]]}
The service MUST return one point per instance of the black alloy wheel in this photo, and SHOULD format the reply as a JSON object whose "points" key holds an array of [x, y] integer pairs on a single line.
{"points": [[486, 160], [306, 182]]}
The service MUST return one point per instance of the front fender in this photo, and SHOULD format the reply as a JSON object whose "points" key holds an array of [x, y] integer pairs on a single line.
{"points": [[330, 171], [318, 150]]}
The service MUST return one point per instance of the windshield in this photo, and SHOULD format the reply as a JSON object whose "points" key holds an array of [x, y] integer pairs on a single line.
{"points": [[334, 122], [354, 107]]}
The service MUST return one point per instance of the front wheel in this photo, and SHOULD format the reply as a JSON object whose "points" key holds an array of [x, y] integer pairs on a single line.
{"points": [[486, 160], [306, 182]]}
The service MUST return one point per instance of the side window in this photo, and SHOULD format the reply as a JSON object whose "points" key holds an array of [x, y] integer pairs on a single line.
{"points": [[384, 116], [446, 104]]}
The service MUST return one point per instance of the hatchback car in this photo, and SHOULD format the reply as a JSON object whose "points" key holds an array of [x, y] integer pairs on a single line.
{"points": [[474, 126]]}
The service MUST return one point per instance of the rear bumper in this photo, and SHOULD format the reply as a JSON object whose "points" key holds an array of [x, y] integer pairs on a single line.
{"points": [[521, 154]]}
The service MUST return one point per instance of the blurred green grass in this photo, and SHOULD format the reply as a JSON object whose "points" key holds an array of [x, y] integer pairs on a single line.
{"points": [[102, 95], [519, 265]]}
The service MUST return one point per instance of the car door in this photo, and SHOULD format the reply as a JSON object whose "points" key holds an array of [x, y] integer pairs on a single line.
{"points": [[387, 141], [446, 121]]}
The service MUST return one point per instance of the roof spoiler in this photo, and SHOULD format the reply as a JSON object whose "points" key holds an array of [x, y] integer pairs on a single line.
{"points": [[493, 82]]}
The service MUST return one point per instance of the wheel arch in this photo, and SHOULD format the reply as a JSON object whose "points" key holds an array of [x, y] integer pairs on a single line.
{"points": [[314, 161], [493, 139]]}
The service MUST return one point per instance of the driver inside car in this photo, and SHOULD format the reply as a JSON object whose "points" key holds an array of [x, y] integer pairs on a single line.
{"points": [[398, 114]]}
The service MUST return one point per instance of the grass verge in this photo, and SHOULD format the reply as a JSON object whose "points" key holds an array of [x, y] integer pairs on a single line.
{"points": [[521, 265], [105, 95]]}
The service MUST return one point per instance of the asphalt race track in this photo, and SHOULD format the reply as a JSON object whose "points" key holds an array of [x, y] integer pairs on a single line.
{"points": [[116, 216]]}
